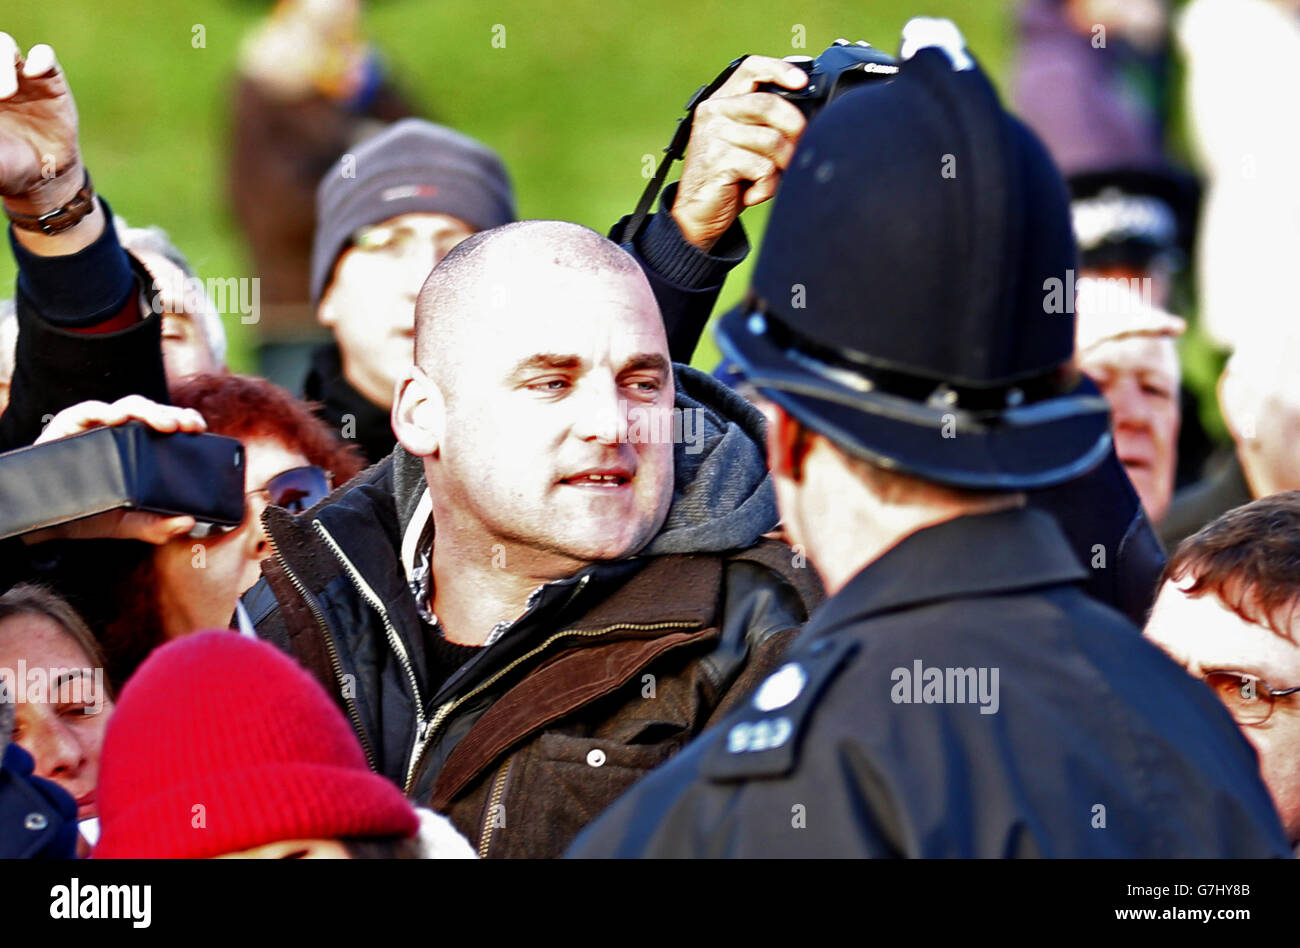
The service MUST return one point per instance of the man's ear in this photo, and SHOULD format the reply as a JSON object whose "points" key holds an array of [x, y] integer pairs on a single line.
{"points": [[419, 413], [787, 442]]}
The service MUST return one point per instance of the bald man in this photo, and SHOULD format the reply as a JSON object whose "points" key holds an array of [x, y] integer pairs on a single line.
{"points": [[560, 576]]}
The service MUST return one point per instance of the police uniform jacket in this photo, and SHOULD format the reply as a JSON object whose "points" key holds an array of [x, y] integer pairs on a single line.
{"points": [[961, 696]]}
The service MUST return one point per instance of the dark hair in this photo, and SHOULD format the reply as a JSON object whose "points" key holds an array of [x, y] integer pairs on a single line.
{"points": [[33, 600], [895, 484], [238, 406], [243, 406], [1249, 558]]}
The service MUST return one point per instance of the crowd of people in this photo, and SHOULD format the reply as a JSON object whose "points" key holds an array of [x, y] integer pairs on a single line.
{"points": [[940, 561]]}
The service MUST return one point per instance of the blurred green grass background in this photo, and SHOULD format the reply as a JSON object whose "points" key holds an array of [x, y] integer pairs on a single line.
{"points": [[581, 91]]}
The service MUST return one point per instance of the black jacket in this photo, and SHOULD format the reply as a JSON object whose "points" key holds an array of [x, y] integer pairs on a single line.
{"points": [[38, 820], [685, 280], [1097, 744], [56, 366], [1102, 517], [345, 410], [704, 610], [1223, 488]]}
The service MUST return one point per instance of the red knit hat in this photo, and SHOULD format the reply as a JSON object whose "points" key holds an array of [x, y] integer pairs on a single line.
{"points": [[221, 743]]}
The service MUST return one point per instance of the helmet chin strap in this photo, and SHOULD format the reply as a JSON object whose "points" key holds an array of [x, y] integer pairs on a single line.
{"points": [[676, 150]]}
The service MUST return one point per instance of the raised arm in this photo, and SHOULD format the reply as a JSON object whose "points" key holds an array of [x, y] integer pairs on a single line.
{"points": [[83, 331]]}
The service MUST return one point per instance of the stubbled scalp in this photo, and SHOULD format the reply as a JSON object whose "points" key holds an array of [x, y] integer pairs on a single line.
{"points": [[462, 282]]}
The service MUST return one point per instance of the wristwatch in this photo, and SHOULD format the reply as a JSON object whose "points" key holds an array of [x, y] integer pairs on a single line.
{"points": [[61, 218]]}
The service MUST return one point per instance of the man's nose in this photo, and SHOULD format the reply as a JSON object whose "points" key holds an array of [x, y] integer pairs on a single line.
{"points": [[600, 411], [57, 751], [1128, 404]]}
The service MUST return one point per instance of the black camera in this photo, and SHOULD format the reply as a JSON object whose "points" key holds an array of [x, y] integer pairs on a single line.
{"points": [[842, 67]]}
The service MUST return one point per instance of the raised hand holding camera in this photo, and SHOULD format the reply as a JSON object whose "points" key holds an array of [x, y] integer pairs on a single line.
{"points": [[741, 141]]}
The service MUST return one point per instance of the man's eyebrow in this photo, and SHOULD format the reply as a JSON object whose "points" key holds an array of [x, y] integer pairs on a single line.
{"points": [[645, 360], [546, 360]]}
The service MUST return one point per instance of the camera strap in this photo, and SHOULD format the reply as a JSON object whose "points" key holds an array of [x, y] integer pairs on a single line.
{"points": [[676, 149]]}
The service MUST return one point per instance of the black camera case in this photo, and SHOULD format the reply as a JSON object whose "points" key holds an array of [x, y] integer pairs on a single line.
{"points": [[128, 466]]}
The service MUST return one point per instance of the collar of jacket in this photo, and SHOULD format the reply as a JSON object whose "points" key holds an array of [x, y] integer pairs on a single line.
{"points": [[364, 518], [343, 407], [981, 555]]}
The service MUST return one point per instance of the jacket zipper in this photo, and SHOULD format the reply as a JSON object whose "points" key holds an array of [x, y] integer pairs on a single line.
{"points": [[348, 702], [394, 642], [494, 800], [441, 715]]}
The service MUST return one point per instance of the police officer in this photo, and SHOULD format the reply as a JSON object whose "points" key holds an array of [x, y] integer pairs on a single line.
{"points": [[959, 694]]}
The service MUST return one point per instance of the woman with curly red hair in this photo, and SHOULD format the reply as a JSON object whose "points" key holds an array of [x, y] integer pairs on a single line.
{"points": [[193, 582]]}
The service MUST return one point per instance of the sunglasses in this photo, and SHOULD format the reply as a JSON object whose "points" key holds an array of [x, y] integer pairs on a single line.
{"points": [[1249, 699], [296, 490]]}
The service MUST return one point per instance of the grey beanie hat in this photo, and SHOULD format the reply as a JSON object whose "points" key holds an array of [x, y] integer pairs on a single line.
{"points": [[411, 167]]}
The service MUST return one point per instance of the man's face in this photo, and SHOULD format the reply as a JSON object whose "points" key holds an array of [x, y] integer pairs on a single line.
{"points": [[553, 376], [201, 580], [1203, 635], [1139, 377], [371, 302]]}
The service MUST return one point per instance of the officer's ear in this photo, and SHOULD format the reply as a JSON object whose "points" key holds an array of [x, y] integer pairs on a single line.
{"points": [[788, 442], [419, 415]]}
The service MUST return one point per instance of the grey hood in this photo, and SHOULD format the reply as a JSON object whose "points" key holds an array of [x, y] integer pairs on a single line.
{"points": [[722, 493]]}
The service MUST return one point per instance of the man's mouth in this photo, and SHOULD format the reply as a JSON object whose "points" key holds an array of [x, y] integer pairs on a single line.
{"points": [[599, 479], [1135, 453]]}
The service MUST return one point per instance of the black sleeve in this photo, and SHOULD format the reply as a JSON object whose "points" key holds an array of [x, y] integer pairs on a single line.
{"points": [[54, 365], [686, 281], [1102, 516]]}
